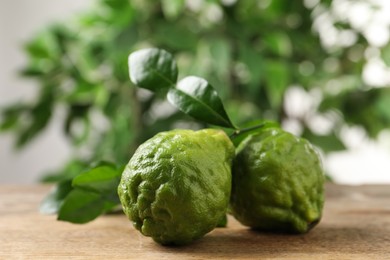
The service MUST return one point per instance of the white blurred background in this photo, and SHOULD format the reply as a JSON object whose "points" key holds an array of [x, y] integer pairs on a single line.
{"points": [[19, 21], [364, 162]]}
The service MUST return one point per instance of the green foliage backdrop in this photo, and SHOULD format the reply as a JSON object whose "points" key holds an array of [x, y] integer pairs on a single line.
{"points": [[250, 51]]}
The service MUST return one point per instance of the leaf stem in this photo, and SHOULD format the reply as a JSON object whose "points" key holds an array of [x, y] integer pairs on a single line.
{"points": [[241, 131]]}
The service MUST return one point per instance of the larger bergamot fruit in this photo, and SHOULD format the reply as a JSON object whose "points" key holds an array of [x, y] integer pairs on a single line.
{"points": [[177, 185], [277, 183]]}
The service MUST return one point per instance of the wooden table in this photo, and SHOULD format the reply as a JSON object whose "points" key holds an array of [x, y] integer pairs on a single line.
{"points": [[355, 225]]}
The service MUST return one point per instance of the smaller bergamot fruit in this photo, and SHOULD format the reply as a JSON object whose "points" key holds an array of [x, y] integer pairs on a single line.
{"points": [[177, 185], [277, 183]]}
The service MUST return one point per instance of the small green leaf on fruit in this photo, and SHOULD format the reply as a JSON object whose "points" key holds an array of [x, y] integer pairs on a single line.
{"points": [[153, 69], [197, 98]]}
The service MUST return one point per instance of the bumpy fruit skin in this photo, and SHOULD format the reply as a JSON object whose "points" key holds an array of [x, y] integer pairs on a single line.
{"points": [[277, 183], [177, 185]]}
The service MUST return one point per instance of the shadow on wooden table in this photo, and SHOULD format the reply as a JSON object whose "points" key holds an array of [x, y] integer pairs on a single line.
{"points": [[322, 240]]}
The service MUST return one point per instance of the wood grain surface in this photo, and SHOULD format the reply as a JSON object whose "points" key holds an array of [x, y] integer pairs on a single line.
{"points": [[355, 225]]}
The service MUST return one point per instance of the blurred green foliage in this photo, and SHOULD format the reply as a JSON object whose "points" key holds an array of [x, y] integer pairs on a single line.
{"points": [[250, 51]]}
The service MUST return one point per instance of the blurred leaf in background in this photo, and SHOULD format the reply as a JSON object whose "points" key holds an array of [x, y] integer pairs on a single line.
{"points": [[252, 52]]}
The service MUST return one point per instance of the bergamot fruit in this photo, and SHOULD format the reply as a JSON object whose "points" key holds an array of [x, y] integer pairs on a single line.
{"points": [[177, 185], [277, 183]]}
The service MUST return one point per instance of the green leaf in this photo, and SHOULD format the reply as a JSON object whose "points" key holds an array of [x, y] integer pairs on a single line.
{"points": [[84, 92], [8, 123], [40, 117], [43, 46], [102, 179], [9, 117], [196, 97], [87, 196], [32, 71], [153, 69], [81, 206], [52, 202]]}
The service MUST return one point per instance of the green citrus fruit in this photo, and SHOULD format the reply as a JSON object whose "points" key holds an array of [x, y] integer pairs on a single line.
{"points": [[176, 187], [277, 183]]}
